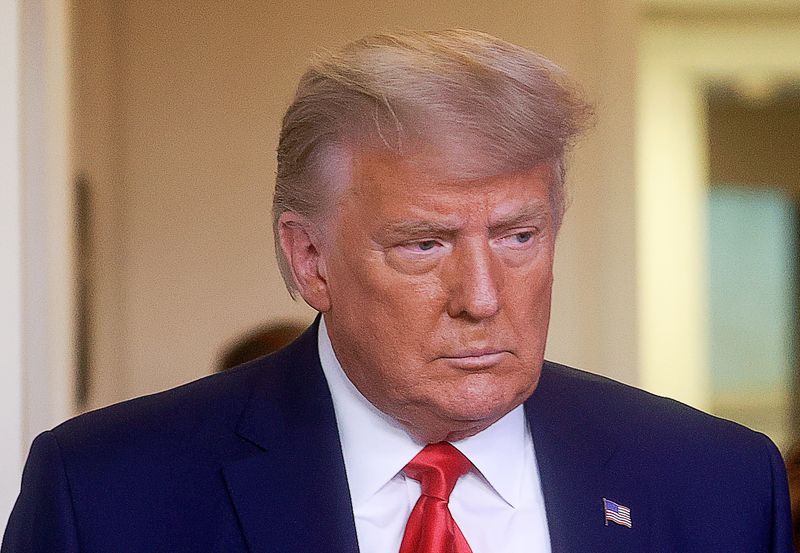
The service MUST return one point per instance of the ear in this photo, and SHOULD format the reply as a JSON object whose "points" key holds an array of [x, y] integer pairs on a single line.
{"points": [[302, 248]]}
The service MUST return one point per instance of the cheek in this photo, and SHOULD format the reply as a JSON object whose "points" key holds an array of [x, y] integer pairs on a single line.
{"points": [[388, 315], [527, 308], [399, 297], [529, 286]]}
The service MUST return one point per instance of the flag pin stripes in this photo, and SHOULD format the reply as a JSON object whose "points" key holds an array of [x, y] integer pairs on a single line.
{"points": [[616, 513]]}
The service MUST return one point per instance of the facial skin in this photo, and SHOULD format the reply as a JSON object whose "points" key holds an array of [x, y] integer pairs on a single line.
{"points": [[436, 293]]}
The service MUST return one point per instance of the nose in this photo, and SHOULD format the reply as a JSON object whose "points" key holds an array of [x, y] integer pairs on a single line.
{"points": [[475, 277]]}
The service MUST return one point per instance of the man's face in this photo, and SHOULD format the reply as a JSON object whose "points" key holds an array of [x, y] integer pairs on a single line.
{"points": [[439, 292]]}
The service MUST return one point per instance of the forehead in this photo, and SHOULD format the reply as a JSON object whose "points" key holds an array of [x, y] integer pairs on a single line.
{"points": [[381, 180]]}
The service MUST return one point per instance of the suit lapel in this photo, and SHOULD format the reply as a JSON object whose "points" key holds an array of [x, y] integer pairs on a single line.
{"points": [[570, 454], [293, 496], [579, 463]]}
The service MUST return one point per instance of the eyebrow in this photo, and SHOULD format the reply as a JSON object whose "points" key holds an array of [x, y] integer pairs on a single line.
{"points": [[519, 217], [420, 228]]}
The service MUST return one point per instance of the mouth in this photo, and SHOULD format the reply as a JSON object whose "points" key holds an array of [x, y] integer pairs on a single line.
{"points": [[475, 360]]}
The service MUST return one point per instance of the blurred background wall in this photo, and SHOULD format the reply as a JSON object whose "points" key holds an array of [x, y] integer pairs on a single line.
{"points": [[147, 132], [717, 95]]}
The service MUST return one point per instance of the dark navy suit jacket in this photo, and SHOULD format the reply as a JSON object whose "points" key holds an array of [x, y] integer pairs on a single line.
{"points": [[250, 461]]}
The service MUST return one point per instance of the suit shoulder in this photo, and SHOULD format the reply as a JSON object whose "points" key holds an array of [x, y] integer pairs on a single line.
{"points": [[201, 416], [690, 470], [643, 416], [169, 419]]}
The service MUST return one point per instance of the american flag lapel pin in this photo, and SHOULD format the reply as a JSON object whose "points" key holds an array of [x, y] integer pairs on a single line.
{"points": [[616, 513]]}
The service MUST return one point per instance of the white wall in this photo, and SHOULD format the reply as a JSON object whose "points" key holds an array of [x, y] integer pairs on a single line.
{"points": [[197, 91], [35, 223], [11, 414], [47, 203]]}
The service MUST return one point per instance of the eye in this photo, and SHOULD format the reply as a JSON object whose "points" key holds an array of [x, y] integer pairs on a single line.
{"points": [[424, 245], [519, 238], [522, 237], [424, 248]]}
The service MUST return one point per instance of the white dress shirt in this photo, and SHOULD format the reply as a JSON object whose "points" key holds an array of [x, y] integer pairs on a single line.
{"points": [[498, 505]]}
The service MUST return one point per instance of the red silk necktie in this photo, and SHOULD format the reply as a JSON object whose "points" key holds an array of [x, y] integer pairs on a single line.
{"points": [[430, 527]]}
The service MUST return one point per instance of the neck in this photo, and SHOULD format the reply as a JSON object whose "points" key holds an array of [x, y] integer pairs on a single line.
{"points": [[432, 433]]}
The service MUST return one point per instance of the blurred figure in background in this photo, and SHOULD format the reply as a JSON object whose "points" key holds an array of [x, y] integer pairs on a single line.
{"points": [[260, 341]]}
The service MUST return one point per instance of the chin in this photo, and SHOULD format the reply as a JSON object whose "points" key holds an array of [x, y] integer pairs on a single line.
{"points": [[481, 400], [441, 422], [475, 418], [450, 432]]}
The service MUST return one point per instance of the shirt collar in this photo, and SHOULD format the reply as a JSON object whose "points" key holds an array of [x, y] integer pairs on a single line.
{"points": [[375, 447], [499, 453]]}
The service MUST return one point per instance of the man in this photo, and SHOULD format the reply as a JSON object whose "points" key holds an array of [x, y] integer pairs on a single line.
{"points": [[418, 198]]}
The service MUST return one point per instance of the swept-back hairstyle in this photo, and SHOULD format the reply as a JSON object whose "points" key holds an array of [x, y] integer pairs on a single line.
{"points": [[484, 106]]}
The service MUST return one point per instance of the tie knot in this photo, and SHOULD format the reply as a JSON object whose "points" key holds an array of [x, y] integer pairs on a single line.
{"points": [[437, 468]]}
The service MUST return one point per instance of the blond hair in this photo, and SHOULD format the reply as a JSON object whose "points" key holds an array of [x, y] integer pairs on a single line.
{"points": [[486, 106]]}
